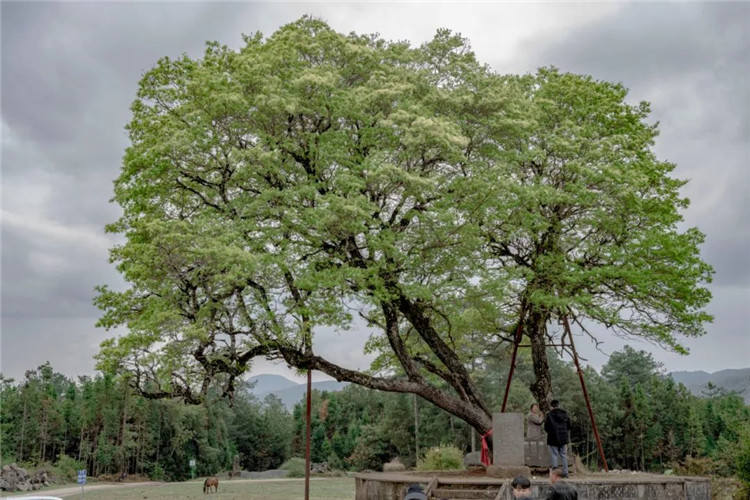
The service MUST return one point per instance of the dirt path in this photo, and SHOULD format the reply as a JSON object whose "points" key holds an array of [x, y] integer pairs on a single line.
{"points": [[70, 491]]}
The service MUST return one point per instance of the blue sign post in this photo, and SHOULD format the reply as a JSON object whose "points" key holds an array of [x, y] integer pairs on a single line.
{"points": [[82, 479]]}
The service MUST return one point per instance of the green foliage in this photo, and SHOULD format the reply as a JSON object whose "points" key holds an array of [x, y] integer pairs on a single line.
{"points": [[732, 450], [698, 466], [100, 425], [652, 426], [442, 458], [67, 467], [346, 433], [335, 462], [156, 472], [268, 190], [742, 456], [295, 467], [262, 432], [724, 488], [373, 448], [631, 366]]}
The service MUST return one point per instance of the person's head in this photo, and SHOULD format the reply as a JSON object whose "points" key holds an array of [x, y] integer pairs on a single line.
{"points": [[554, 403], [555, 474], [415, 492], [521, 486], [535, 408]]}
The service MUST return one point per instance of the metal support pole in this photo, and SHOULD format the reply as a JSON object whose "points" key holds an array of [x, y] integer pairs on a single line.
{"points": [[308, 435], [516, 341], [585, 392]]}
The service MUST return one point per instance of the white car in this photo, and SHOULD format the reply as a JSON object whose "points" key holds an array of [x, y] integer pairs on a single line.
{"points": [[36, 498]]}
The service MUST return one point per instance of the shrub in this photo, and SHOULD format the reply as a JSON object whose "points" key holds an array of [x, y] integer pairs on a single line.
{"points": [[335, 462], [442, 458], [295, 467], [67, 467], [697, 466], [157, 473], [725, 488]]}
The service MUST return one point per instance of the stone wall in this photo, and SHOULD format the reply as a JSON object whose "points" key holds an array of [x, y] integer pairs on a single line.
{"points": [[369, 489], [667, 490], [640, 487]]}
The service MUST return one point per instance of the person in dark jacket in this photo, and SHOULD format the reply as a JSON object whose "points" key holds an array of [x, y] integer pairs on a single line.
{"points": [[560, 489], [415, 492], [521, 488], [557, 426]]}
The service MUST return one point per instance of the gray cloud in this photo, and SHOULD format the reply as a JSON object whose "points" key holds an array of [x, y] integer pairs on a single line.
{"points": [[70, 72], [646, 43], [51, 271], [69, 344], [691, 62]]}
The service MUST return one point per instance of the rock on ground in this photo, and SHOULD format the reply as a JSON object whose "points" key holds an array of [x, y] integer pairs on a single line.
{"points": [[15, 478]]}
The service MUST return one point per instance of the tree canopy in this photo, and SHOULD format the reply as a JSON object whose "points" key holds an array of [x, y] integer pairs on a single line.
{"points": [[311, 177]]}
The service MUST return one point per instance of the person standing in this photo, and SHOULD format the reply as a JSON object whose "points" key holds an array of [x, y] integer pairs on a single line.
{"points": [[557, 425], [560, 489], [535, 421]]}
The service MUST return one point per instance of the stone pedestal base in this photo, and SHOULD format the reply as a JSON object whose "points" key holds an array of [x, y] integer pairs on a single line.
{"points": [[508, 471], [536, 453]]}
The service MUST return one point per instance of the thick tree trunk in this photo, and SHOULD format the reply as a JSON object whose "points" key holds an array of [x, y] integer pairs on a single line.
{"points": [[537, 333]]}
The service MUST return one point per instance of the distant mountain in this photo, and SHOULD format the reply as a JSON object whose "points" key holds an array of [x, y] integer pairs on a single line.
{"points": [[287, 391], [730, 380], [270, 383]]}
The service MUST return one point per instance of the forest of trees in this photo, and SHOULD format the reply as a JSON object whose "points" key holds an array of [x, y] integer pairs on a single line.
{"points": [[647, 422]]}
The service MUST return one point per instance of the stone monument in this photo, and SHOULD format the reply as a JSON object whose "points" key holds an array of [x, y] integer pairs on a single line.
{"points": [[508, 446]]}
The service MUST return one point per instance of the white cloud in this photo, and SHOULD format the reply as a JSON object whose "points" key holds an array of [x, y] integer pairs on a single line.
{"points": [[496, 30], [50, 233]]}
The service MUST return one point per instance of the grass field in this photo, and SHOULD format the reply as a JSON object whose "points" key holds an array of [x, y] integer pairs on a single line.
{"points": [[320, 489], [289, 489]]}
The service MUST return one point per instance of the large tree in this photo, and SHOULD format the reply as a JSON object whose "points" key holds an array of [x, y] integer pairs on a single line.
{"points": [[310, 177], [584, 226]]}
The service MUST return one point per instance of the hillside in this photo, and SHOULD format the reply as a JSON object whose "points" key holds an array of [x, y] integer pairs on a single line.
{"points": [[730, 380], [264, 384], [288, 391]]}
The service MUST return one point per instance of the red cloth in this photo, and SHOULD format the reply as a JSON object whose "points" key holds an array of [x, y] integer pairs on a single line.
{"points": [[485, 458]]}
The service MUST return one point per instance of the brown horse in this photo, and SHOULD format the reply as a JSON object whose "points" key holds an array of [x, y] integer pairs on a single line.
{"points": [[210, 481]]}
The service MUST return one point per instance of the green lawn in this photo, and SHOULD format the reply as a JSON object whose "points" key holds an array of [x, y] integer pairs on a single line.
{"points": [[320, 489]]}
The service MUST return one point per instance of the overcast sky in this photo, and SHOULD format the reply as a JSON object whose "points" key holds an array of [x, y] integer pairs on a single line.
{"points": [[71, 70]]}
